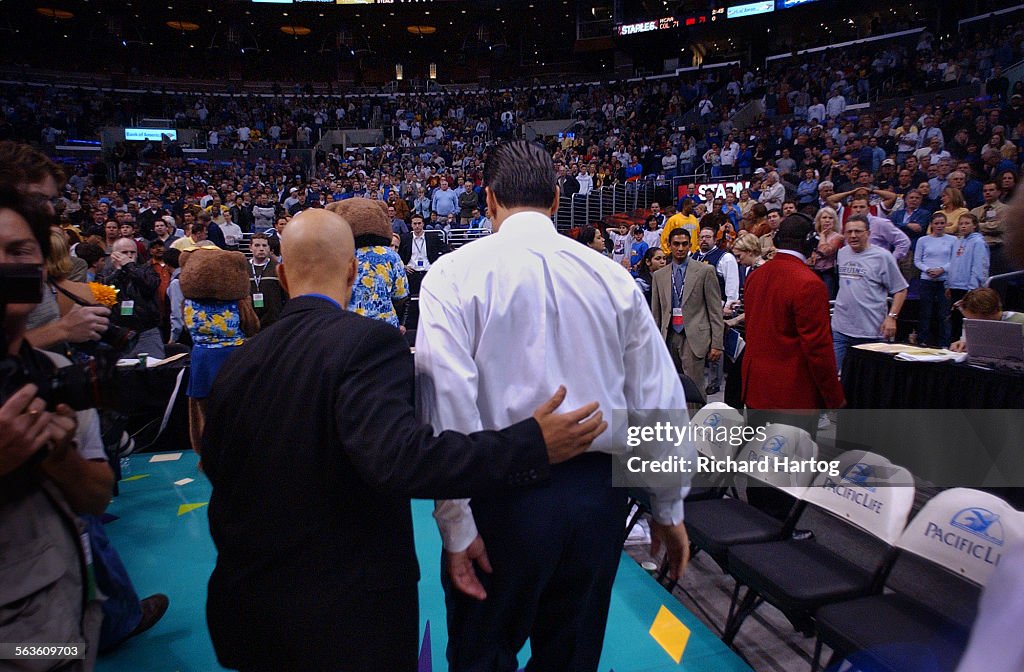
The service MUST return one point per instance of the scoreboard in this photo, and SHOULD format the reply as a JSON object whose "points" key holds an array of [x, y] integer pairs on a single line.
{"points": [[736, 10]]}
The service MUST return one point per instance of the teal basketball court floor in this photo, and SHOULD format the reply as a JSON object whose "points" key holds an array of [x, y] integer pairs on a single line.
{"points": [[162, 534]]}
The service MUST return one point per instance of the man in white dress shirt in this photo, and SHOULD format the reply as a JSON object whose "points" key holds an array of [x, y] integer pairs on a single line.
{"points": [[501, 319]]}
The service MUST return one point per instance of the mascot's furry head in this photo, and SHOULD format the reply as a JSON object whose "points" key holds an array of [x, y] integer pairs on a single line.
{"points": [[368, 219], [215, 275]]}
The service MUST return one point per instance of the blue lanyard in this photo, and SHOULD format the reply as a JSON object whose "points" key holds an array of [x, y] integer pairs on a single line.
{"points": [[677, 292]]}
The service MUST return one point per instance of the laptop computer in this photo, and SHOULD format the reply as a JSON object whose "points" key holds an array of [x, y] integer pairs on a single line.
{"points": [[995, 343]]}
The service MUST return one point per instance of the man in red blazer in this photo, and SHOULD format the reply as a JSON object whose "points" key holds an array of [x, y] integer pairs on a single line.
{"points": [[789, 364]]}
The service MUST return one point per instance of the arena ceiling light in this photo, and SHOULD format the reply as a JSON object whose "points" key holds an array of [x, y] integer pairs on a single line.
{"points": [[186, 26], [295, 31], [421, 30], [51, 13]]}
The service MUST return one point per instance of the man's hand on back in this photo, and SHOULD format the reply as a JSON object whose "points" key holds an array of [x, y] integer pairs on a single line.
{"points": [[566, 435]]}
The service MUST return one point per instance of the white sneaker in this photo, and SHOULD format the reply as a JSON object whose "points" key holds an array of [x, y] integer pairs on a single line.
{"points": [[823, 421]]}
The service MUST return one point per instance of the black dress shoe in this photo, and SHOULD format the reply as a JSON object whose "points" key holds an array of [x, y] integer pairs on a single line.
{"points": [[712, 389], [153, 609], [802, 535]]}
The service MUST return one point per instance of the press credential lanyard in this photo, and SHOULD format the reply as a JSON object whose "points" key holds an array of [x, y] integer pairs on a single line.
{"points": [[257, 297]]}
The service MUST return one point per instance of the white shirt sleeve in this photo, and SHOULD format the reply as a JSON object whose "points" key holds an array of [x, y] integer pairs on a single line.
{"points": [[87, 435], [443, 354], [731, 271], [652, 384]]}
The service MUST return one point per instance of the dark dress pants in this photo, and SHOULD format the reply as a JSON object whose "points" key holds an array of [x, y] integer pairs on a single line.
{"points": [[934, 306], [555, 550]]}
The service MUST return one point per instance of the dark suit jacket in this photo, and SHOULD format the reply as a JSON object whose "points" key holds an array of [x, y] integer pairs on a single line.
{"points": [[920, 216], [788, 362], [435, 247], [703, 322], [569, 185], [313, 450], [145, 221], [274, 295]]}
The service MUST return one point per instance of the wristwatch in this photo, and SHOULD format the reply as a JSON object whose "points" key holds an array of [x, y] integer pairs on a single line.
{"points": [[893, 315]]}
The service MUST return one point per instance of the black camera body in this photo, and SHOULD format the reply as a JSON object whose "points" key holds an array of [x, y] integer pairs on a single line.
{"points": [[119, 338], [21, 283], [81, 385]]}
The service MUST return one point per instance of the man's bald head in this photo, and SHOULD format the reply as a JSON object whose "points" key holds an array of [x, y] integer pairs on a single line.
{"points": [[318, 255], [125, 245]]}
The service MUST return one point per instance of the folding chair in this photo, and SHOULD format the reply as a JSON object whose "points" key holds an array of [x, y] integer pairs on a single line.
{"points": [[712, 442], [798, 577], [960, 531], [715, 525], [715, 417]]}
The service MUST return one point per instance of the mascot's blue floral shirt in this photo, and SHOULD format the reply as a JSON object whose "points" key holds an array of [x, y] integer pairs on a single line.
{"points": [[214, 324], [380, 282]]}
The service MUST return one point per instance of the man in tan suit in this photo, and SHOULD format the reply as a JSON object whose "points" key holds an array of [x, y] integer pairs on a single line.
{"points": [[992, 224], [687, 304]]}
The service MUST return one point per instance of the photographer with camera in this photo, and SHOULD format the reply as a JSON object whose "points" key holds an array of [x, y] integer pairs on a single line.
{"points": [[38, 179], [79, 325], [52, 464]]}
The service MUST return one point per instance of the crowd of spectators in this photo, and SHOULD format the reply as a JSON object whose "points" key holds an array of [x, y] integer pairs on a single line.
{"points": [[807, 152], [47, 113], [620, 127], [883, 70]]}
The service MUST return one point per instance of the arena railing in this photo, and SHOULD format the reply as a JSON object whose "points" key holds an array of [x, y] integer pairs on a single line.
{"points": [[994, 16], [580, 210], [265, 89], [833, 48], [456, 238]]}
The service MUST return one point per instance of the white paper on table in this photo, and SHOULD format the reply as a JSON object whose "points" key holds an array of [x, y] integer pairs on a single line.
{"points": [[940, 356], [166, 457], [151, 361]]}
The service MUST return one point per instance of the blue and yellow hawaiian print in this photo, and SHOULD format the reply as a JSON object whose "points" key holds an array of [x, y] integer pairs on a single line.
{"points": [[214, 324], [381, 281]]}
